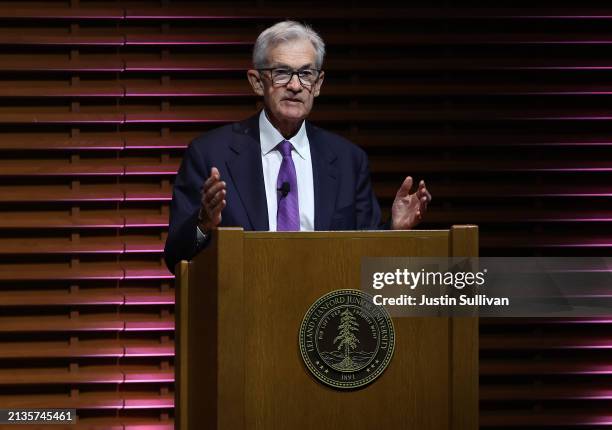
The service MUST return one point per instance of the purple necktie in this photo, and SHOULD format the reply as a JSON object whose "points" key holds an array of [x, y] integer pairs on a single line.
{"points": [[288, 214]]}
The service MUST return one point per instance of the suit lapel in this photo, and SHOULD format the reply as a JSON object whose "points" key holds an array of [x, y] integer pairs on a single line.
{"points": [[324, 171], [244, 165]]}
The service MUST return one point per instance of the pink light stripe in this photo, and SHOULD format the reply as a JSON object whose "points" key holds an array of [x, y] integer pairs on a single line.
{"points": [[561, 118], [169, 146], [147, 379], [553, 93], [577, 245], [590, 321], [606, 270], [260, 16], [143, 224], [170, 94], [559, 42], [147, 302], [560, 143], [155, 199], [186, 43], [566, 169], [142, 405], [179, 120], [152, 172], [564, 195], [181, 16], [556, 68], [184, 69], [144, 354], [547, 16], [595, 346], [569, 219]]}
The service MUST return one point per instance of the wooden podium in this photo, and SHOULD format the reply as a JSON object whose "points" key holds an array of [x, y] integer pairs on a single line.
{"points": [[240, 303]]}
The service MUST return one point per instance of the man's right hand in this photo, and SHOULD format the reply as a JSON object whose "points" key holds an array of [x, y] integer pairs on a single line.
{"points": [[213, 201]]}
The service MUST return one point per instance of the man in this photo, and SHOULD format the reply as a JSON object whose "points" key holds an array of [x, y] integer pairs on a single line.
{"points": [[276, 171]]}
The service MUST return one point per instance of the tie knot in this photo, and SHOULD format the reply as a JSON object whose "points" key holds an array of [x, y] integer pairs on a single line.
{"points": [[285, 148]]}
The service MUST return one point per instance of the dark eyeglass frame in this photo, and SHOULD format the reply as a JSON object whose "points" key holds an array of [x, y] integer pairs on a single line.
{"points": [[292, 72]]}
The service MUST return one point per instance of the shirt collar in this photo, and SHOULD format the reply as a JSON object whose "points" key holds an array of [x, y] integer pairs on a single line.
{"points": [[270, 137]]}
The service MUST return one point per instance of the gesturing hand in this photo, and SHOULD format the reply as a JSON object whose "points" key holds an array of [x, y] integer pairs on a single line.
{"points": [[408, 209], [213, 201]]}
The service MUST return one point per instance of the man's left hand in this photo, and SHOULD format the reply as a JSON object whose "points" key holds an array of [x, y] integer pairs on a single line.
{"points": [[409, 209]]}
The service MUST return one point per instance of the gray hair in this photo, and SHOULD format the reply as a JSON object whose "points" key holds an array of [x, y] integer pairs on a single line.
{"points": [[286, 31]]}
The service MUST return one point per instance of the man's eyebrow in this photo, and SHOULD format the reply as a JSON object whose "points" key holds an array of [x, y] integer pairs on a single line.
{"points": [[285, 66]]}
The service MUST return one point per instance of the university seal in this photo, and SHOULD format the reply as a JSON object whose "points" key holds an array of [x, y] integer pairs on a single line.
{"points": [[346, 341]]}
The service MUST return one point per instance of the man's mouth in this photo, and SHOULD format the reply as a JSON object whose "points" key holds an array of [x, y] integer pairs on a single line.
{"points": [[293, 100]]}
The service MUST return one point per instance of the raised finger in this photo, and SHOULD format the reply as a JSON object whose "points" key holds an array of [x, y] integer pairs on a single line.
{"points": [[404, 189], [212, 191], [210, 182], [216, 212], [214, 177], [214, 200], [219, 207], [423, 204], [423, 191]]}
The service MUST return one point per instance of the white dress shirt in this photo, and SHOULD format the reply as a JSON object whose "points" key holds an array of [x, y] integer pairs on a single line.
{"points": [[271, 159]]}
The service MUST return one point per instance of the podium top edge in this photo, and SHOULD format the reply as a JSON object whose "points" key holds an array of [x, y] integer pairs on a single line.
{"points": [[344, 234]]}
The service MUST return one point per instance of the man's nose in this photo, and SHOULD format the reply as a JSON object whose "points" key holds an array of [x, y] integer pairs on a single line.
{"points": [[294, 83]]}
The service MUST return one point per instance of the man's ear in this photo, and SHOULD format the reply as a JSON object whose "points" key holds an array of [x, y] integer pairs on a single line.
{"points": [[317, 88], [255, 80]]}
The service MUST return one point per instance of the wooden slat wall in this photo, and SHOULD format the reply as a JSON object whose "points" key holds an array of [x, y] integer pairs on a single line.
{"points": [[504, 108]]}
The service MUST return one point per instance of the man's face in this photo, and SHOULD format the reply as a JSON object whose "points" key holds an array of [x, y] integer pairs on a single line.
{"points": [[290, 102]]}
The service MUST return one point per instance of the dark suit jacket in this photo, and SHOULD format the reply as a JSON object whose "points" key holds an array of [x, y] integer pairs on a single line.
{"points": [[343, 194]]}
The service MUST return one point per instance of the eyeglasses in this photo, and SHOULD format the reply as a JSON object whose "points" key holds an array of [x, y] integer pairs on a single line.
{"points": [[282, 76]]}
